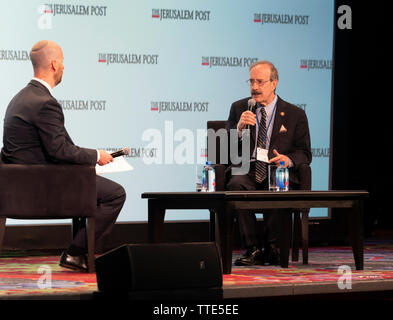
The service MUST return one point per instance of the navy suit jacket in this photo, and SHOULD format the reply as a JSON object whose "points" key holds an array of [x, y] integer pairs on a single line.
{"points": [[294, 142], [34, 131]]}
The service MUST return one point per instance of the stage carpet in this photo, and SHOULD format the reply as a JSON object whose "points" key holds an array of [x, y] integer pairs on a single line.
{"points": [[330, 270]]}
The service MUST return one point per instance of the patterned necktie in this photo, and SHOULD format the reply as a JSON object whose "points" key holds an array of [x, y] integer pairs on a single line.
{"points": [[260, 166]]}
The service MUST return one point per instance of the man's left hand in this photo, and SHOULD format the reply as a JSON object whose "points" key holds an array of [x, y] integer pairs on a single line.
{"points": [[278, 158]]}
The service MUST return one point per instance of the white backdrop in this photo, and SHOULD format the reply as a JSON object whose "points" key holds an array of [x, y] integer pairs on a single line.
{"points": [[134, 69]]}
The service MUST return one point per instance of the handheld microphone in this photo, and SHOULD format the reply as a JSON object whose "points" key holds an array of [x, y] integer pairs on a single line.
{"points": [[122, 152], [251, 104]]}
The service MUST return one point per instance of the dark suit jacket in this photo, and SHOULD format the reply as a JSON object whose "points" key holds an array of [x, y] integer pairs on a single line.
{"points": [[294, 143], [34, 131]]}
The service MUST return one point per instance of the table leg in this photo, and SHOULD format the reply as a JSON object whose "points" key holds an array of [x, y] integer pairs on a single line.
{"points": [[2, 231], [305, 235], [296, 231], [156, 217], [355, 224], [285, 236], [225, 225], [212, 226]]}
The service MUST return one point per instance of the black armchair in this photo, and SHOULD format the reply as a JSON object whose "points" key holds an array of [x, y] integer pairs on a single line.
{"points": [[50, 192], [300, 225]]}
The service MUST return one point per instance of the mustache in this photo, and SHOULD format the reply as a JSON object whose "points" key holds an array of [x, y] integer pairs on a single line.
{"points": [[253, 92]]}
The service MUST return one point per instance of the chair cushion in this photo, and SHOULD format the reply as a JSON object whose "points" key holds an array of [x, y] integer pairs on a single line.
{"points": [[47, 191]]}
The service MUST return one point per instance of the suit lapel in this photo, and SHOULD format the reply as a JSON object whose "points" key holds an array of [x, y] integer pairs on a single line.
{"points": [[278, 121]]}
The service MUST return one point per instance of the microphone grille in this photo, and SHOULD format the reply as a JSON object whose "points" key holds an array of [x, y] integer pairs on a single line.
{"points": [[251, 103], [126, 151]]}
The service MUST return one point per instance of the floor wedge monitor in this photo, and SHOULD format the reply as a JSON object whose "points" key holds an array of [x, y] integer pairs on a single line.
{"points": [[137, 267]]}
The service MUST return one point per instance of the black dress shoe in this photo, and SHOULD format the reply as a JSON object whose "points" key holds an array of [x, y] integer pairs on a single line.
{"points": [[253, 256], [73, 262]]}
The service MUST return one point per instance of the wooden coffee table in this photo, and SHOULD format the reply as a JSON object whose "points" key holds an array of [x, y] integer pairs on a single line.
{"points": [[223, 205]]}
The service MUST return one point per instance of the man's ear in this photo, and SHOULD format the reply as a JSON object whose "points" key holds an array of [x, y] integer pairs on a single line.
{"points": [[54, 65]]}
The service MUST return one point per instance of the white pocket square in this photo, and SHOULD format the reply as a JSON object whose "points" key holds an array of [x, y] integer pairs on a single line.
{"points": [[283, 129]]}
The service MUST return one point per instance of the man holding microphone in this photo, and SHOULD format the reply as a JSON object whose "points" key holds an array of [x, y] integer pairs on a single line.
{"points": [[278, 132]]}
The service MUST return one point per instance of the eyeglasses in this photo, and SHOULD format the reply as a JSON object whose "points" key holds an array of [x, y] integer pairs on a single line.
{"points": [[259, 82]]}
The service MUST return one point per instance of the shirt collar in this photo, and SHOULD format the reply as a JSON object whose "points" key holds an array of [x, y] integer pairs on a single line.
{"points": [[44, 84], [271, 105]]}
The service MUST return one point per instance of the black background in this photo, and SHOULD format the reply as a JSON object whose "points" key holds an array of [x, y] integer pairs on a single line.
{"points": [[362, 146]]}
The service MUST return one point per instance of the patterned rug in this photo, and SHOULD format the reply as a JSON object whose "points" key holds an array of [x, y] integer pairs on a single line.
{"points": [[41, 275], [326, 265], [35, 275]]}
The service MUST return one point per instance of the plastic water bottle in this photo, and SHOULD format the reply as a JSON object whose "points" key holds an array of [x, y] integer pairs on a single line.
{"points": [[282, 177], [208, 178], [204, 180]]}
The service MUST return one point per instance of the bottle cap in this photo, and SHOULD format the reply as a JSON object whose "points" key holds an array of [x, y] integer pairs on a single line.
{"points": [[282, 163], [208, 163]]}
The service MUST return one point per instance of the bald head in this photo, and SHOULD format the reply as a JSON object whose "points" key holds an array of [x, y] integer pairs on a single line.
{"points": [[47, 59], [42, 53]]}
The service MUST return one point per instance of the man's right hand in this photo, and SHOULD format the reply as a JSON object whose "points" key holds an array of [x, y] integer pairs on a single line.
{"points": [[247, 118], [105, 158]]}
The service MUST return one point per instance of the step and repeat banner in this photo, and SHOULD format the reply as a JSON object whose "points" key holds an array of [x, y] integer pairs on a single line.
{"points": [[148, 75]]}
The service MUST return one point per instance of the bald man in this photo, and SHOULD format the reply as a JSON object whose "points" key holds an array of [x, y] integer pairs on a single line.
{"points": [[34, 133]]}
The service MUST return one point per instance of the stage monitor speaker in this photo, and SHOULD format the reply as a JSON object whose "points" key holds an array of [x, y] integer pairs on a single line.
{"points": [[136, 267]]}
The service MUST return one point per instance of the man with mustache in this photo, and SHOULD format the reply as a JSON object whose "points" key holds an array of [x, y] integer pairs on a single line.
{"points": [[34, 133], [278, 130]]}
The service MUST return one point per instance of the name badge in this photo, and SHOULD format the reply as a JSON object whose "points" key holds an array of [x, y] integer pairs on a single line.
{"points": [[262, 155]]}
